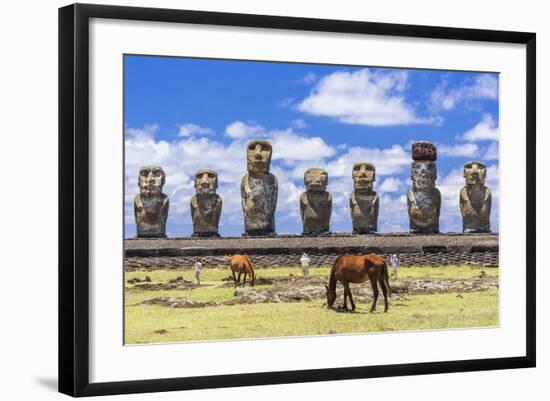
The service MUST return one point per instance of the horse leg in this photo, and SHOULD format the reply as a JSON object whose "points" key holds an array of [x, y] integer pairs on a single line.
{"points": [[234, 278], [374, 286], [345, 296], [239, 278], [384, 292], [244, 278], [348, 291]]}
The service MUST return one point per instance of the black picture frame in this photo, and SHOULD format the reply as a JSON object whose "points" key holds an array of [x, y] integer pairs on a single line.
{"points": [[74, 198]]}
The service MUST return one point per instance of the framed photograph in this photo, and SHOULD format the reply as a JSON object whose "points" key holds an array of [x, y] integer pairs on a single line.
{"points": [[252, 199]]}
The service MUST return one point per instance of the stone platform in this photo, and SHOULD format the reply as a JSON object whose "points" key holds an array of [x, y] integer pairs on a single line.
{"points": [[285, 250]]}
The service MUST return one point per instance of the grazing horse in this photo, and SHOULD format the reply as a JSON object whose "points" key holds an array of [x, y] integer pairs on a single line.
{"points": [[241, 264], [357, 269]]}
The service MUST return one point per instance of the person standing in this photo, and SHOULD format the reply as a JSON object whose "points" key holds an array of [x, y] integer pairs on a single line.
{"points": [[198, 267], [394, 259], [304, 260]]}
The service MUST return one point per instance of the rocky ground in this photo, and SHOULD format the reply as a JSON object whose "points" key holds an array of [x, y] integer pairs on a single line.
{"points": [[489, 259], [297, 289]]}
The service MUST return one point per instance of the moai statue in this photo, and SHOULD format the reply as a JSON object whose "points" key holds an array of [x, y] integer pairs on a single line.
{"points": [[259, 190], [206, 204], [316, 202], [424, 199], [363, 202], [151, 205], [475, 199]]}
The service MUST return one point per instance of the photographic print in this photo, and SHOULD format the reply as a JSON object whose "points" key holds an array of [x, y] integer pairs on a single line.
{"points": [[267, 199]]}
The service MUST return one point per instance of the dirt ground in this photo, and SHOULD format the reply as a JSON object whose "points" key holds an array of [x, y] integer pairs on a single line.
{"points": [[297, 289]]}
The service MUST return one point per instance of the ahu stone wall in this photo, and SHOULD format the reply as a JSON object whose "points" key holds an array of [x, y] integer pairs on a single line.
{"points": [[413, 250]]}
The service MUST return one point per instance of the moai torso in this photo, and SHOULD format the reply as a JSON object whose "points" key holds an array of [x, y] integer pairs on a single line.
{"points": [[206, 204], [316, 203], [259, 190], [151, 205], [363, 202], [424, 199], [475, 199]]}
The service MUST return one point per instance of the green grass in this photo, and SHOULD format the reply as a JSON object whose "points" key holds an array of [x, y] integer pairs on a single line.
{"points": [[151, 323], [154, 323], [216, 274]]}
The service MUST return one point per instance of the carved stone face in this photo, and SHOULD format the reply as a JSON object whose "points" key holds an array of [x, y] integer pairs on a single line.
{"points": [[258, 157], [364, 175], [151, 180], [475, 173], [316, 179], [423, 175], [206, 182]]}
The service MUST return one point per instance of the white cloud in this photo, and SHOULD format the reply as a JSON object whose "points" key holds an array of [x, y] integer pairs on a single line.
{"points": [[289, 146], [193, 129], [310, 78], [363, 97], [484, 86], [486, 130], [492, 152], [393, 215], [142, 149], [387, 161], [286, 102], [391, 184], [299, 123], [148, 131], [460, 150], [238, 129]]}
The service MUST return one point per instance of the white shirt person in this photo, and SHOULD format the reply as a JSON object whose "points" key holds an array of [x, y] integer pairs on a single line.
{"points": [[394, 260], [304, 260], [198, 267]]}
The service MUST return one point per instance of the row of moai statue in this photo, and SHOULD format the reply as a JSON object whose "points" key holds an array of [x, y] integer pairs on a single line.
{"points": [[259, 189]]}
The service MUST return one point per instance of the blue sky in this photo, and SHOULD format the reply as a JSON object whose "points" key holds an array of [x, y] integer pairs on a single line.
{"points": [[185, 114]]}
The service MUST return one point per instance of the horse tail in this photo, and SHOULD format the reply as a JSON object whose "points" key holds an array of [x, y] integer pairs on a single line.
{"points": [[386, 278]]}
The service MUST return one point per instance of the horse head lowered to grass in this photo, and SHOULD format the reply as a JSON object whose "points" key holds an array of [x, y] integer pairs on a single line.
{"points": [[357, 269], [241, 264]]}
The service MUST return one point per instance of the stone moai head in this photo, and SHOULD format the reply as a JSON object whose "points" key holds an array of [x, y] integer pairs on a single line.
{"points": [[206, 182], [364, 175], [151, 180], [475, 173], [258, 156], [316, 179], [423, 167]]}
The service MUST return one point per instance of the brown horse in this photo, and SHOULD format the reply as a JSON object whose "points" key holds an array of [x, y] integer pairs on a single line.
{"points": [[357, 269], [241, 264]]}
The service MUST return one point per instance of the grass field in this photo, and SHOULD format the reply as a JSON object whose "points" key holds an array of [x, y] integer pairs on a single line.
{"points": [[155, 323]]}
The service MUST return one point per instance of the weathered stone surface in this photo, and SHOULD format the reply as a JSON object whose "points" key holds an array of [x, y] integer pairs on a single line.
{"points": [[151, 205], [363, 202], [424, 199], [475, 199], [206, 204], [259, 190], [316, 202], [298, 244], [274, 260], [424, 151], [413, 250]]}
